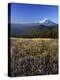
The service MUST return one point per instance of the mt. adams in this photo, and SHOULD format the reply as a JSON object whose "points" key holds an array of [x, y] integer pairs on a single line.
{"points": [[47, 22]]}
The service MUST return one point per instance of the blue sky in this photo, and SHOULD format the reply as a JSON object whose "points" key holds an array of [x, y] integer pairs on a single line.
{"points": [[28, 13]]}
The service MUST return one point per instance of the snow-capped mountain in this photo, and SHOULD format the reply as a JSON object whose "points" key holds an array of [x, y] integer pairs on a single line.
{"points": [[47, 22]]}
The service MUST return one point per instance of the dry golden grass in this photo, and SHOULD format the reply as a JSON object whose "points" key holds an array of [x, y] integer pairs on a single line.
{"points": [[34, 56]]}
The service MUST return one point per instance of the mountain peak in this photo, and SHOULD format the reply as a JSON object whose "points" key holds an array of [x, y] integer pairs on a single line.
{"points": [[47, 22], [44, 20]]}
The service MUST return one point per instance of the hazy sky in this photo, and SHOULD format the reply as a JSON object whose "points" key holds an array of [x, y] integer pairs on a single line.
{"points": [[27, 13]]}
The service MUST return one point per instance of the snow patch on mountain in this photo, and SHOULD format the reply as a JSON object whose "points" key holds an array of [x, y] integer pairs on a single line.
{"points": [[44, 20]]}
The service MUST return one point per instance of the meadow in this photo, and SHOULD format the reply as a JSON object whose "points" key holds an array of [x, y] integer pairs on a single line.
{"points": [[33, 56]]}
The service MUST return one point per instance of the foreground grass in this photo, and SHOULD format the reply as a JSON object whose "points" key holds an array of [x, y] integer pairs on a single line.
{"points": [[36, 56]]}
